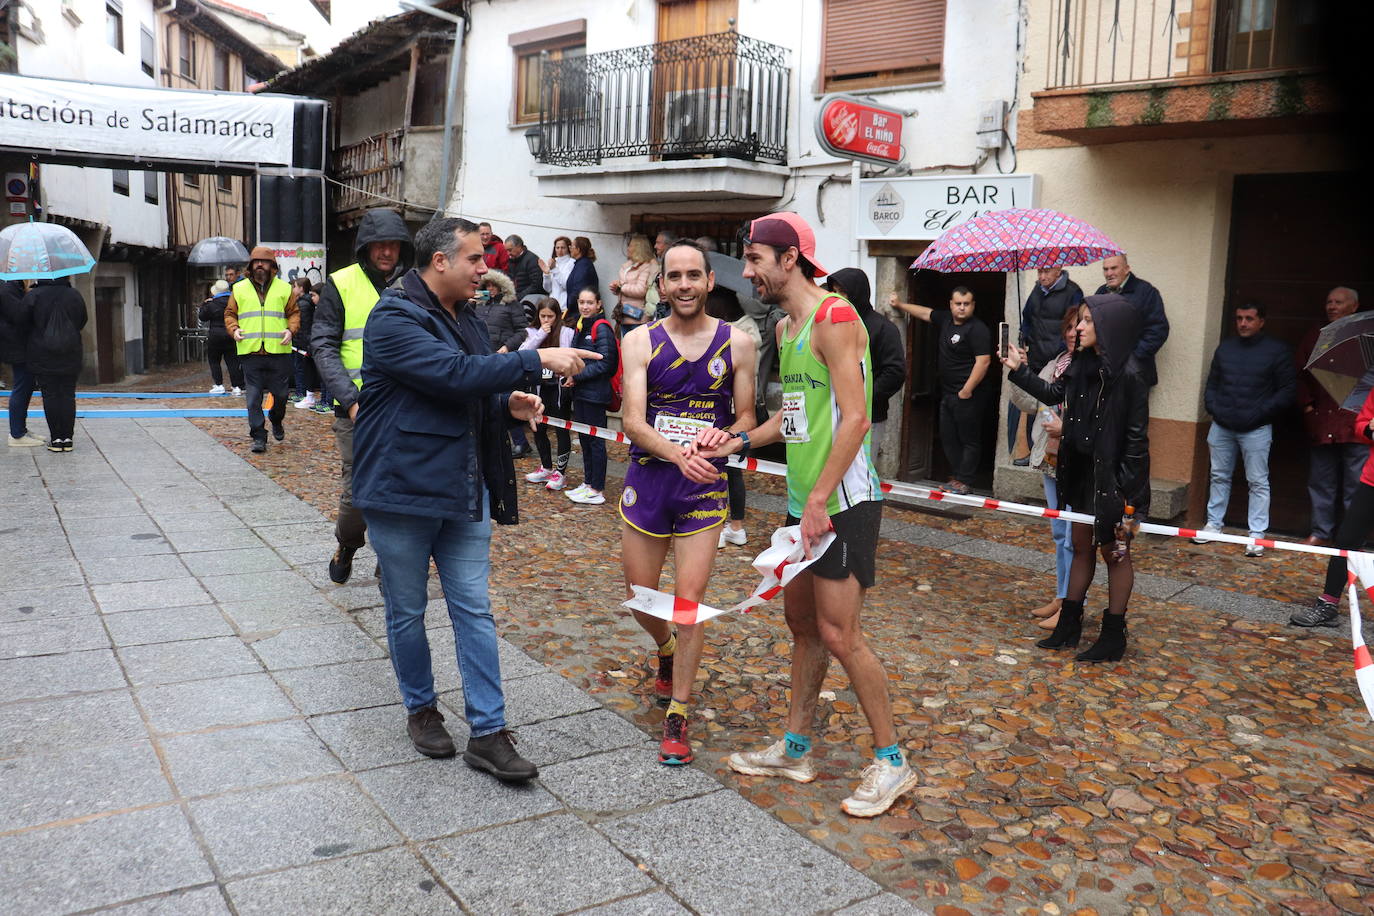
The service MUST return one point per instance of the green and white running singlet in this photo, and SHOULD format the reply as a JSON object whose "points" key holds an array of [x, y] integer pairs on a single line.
{"points": [[810, 416]]}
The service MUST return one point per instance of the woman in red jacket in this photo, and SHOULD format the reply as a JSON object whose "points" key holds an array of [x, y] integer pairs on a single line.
{"points": [[1358, 522]]}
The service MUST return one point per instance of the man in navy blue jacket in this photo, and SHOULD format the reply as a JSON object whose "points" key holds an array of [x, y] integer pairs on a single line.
{"points": [[1154, 324], [1252, 381], [432, 470]]}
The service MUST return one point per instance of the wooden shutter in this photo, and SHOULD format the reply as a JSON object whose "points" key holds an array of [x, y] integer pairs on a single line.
{"points": [[866, 36]]}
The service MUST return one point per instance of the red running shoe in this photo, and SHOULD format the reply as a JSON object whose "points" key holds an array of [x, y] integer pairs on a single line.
{"points": [[674, 751], [663, 683]]}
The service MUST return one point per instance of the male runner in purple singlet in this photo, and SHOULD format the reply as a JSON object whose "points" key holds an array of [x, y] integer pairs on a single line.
{"points": [[682, 374]]}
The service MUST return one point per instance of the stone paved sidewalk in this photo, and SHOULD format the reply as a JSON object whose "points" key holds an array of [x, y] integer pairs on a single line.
{"points": [[193, 720]]}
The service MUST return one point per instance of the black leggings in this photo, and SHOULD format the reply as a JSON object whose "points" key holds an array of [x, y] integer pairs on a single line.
{"points": [[221, 346], [734, 481], [553, 408], [1355, 527], [59, 404]]}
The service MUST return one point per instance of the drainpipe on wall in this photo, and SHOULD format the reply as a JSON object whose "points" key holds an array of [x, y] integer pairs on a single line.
{"points": [[455, 59]]}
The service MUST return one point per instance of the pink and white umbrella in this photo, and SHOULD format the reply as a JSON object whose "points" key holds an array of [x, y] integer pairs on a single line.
{"points": [[1017, 239]]}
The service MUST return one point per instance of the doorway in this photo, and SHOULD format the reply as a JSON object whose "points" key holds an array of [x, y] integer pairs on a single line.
{"points": [[1272, 260], [923, 455], [694, 97], [109, 316]]}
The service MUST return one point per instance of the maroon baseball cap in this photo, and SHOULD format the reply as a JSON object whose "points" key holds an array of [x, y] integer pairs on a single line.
{"points": [[786, 230]]}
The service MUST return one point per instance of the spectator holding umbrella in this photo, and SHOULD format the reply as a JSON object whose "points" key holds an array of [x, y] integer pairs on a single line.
{"points": [[56, 314], [1104, 460]]}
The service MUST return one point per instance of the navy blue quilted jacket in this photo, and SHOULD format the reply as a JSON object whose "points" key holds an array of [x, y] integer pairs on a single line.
{"points": [[1252, 381]]}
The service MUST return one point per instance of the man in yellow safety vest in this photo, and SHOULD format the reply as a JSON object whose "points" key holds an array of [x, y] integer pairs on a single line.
{"points": [[262, 318], [384, 252]]}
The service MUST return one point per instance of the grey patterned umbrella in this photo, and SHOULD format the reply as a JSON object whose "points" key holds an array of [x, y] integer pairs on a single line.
{"points": [[218, 251]]}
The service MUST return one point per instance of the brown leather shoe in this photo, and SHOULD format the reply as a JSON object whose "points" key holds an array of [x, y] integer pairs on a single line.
{"points": [[1314, 541], [427, 733], [1048, 610]]}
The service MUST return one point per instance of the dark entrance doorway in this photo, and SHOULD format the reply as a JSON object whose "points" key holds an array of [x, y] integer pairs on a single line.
{"points": [[923, 457], [1293, 238]]}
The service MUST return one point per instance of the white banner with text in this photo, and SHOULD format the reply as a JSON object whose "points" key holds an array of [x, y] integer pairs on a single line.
{"points": [[145, 121]]}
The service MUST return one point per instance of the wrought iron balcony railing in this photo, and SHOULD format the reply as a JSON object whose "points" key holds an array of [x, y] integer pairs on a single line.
{"points": [[1092, 42], [720, 95]]}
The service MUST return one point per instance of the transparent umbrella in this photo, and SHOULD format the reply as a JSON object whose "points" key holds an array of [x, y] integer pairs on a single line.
{"points": [[218, 251], [41, 251]]}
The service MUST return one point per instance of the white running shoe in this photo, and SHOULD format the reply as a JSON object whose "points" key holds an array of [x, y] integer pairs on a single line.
{"points": [[28, 440], [728, 535], [555, 481], [772, 761], [580, 488], [588, 497], [1208, 530], [306, 402], [540, 475], [882, 784], [217, 389], [238, 392], [1254, 550]]}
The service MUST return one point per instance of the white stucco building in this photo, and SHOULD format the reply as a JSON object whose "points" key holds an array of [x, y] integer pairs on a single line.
{"points": [[633, 86]]}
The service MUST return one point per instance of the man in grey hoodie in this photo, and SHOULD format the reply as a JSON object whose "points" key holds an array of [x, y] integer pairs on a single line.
{"points": [[383, 253]]}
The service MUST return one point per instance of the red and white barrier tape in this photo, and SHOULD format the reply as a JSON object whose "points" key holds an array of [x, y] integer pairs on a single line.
{"points": [[775, 577], [901, 488]]}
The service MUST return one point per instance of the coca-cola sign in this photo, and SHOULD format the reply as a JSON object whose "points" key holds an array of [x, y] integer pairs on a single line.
{"points": [[853, 128]]}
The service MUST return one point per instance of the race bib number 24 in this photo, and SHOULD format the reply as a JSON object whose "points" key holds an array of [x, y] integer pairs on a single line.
{"points": [[794, 428]]}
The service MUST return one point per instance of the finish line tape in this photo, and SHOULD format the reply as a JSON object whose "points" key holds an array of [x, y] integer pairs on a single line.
{"points": [[679, 610]]}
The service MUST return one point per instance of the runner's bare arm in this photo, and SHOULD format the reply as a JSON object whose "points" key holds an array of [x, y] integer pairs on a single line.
{"points": [[635, 352]]}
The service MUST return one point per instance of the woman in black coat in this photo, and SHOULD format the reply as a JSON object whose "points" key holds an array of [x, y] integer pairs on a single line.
{"points": [[56, 314], [14, 341], [218, 344], [1104, 461]]}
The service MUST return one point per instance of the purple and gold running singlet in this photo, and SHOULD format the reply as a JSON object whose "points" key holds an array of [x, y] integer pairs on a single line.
{"points": [[684, 397]]}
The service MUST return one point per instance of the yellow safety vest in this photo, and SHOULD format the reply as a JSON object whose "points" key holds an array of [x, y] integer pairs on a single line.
{"points": [[262, 321], [358, 296]]}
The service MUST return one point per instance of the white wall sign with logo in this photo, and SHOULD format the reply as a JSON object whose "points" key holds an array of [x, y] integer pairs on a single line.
{"points": [[296, 259], [920, 209], [146, 121]]}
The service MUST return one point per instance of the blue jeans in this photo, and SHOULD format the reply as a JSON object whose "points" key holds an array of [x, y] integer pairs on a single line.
{"points": [[20, 395], [461, 551], [1063, 544], [1254, 452]]}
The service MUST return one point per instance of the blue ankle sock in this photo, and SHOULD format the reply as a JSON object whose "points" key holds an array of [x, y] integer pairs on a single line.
{"points": [[892, 755], [796, 746]]}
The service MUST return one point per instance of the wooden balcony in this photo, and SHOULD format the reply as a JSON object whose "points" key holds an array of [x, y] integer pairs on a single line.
{"points": [[387, 169]]}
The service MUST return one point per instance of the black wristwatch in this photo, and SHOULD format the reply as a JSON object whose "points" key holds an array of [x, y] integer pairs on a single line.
{"points": [[743, 437]]}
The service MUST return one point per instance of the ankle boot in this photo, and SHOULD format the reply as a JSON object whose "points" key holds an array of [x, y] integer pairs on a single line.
{"points": [[1111, 643], [1069, 628]]}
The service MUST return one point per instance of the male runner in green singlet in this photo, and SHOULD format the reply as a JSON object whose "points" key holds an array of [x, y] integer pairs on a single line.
{"points": [[831, 484]]}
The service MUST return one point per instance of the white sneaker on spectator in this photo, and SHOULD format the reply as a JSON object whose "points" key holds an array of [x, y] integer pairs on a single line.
{"points": [[1254, 550], [217, 389], [730, 535], [28, 440], [237, 392], [306, 402], [588, 497], [539, 476], [1210, 529], [555, 481], [575, 490]]}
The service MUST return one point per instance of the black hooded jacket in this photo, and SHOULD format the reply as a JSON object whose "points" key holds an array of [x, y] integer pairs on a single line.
{"points": [[379, 225], [884, 340], [14, 323], [1106, 398], [56, 315]]}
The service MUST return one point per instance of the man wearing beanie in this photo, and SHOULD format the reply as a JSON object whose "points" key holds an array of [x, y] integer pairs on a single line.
{"points": [[262, 318]]}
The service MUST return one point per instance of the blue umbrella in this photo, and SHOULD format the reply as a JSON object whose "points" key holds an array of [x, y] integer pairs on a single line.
{"points": [[41, 251]]}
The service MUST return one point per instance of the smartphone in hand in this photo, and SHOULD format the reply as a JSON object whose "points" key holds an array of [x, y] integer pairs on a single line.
{"points": [[1003, 340]]}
